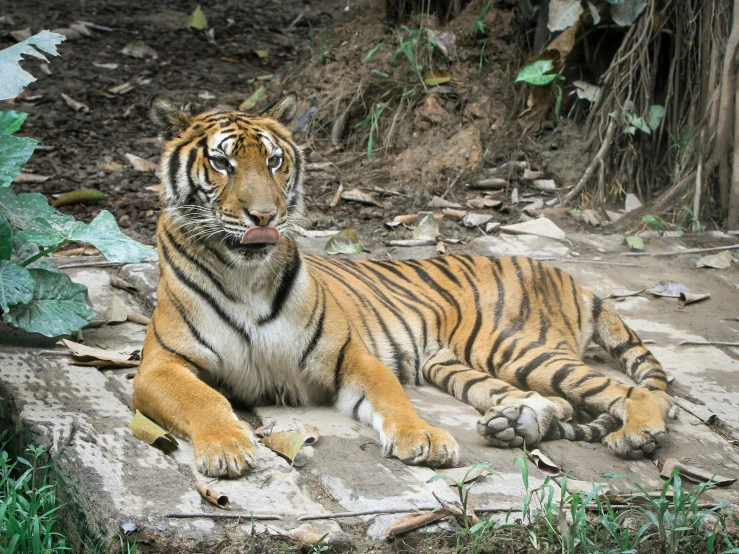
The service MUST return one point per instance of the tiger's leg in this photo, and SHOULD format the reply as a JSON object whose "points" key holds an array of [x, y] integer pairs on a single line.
{"points": [[167, 390], [551, 371], [367, 389], [511, 415]]}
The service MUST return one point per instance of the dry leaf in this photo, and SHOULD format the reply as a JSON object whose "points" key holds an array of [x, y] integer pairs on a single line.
{"points": [[695, 474], [429, 241], [141, 164], [722, 260], [30, 178], [356, 195], [75, 105], [308, 536], [80, 196], [87, 355], [439, 202], [529, 175], [544, 184], [542, 227], [434, 77], [440, 248], [337, 196], [483, 203], [133, 317], [285, 443], [146, 430], [264, 430], [407, 220], [310, 433], [623, 293], [543, 463], [213, 496], [116, 312], [456, 214], [416, 521], [565, 41], [701, 412], [474, 220], [689, 298]]}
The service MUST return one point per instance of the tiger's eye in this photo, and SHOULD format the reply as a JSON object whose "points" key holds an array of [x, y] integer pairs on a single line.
{"points": [[220, 164], [273, 162]]}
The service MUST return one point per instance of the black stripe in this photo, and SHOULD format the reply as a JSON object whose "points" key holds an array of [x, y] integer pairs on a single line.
{"points": [[185, 317], [448, 377], [355, 410], [317, 332], [469, 384], [597, 308], [287, 280], [339, 368], [173, 351], [595, 390]]}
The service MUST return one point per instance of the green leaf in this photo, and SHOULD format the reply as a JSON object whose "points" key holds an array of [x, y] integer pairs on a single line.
{"points": [[58, 306], [47, 233], [634, 243], [6, 238], [15, 78], [103, 233], [536, 73], [197, 20], [379, 73], [11, 121], [254, 99], [655, 115], [654, 221], [24, 250], [343, 242], [16, 285], [638, 122], [14, 153], [372, 52], [23, 209]]}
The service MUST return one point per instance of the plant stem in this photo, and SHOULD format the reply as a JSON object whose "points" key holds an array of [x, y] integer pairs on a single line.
{"points": [[44, 252]]}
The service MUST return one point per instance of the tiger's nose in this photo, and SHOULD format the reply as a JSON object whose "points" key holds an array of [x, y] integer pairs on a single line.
{"points": [[262, 218]]}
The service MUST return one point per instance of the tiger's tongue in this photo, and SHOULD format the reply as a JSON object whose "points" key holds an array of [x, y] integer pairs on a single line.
{"points": [[260, 235]]}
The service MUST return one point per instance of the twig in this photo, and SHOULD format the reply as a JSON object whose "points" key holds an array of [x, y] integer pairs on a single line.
{"points": [[382, 191], [602, 151], [409, 510], [601, 262], [101, 263], [681, 252], [261, 517], [706, 343]]}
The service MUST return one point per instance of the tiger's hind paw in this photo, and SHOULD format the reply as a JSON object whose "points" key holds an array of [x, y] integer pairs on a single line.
{"points": [[635, 444], [527, 420]]}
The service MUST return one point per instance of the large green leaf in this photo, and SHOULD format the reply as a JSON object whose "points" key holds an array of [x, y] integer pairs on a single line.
{"points": [[23, 209], [47, 233], [14, 153], [24, 250], [536, 73], [637, 121], [11, 121], [655, 115], [103, 233], [58, 306], [6, 238], [16, 285], [14, 77]]}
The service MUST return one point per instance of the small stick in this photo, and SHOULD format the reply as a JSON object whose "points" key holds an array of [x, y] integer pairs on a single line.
{"points": [[262, 517], [55, 352], [409, 510], [601, 262], [706, 343], [381, 191], [101, 263], [681, 252]]}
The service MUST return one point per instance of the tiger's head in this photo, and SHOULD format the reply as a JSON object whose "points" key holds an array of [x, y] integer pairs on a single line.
{"points": [[231, 178]]}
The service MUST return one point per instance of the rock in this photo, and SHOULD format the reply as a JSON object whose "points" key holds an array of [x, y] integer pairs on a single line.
{"points": [[542, 227], [139, 49], [614, 216], [544, 184], [432, 110], [21, 34], [631, 203], [474, 220]]}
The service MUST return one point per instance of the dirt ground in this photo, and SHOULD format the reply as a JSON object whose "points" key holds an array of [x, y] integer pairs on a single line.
{"points": [[431, 140]]}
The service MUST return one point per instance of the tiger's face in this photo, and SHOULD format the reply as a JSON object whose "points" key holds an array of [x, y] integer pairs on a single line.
{"points": [[231, 178]]}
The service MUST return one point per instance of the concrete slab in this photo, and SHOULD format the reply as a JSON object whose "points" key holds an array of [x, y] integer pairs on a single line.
{"points": [[107, 477]]}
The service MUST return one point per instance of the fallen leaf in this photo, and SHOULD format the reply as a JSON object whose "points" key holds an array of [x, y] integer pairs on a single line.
{"points": [[586, 91], [426, 228], [634, 243], [264, 430], [285, 443], [491, 183], [439, 202], [416, 521], [474, 220], [261, 54], [356, 195], [623, 293], [631, 203], [87, 355], [343, 242], [456, 214], [699, 411], [440, 248], [308, 536], [116, 312], [197, 19], [74, 104], [544, 184], [670, 289], [406, 220], [122, 284], [146, 430], [529, 175], [141, 164], [541, 226], [254, 99], [492, 227], [695, 474], [310, 433], [614, 216], [28, 178], [430, 241], [139, 49], [433, 77], [722, 260], [133, 317], [110, 66], [543, 462], [211, 495], [483, 203], [81, 196], [684, 299], [122, 88]]}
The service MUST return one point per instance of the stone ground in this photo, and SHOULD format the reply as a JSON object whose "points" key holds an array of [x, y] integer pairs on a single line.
{"points": [[107, 477]]}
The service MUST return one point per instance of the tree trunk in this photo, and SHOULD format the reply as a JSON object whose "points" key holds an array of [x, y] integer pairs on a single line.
{"points": [[732, 220]]}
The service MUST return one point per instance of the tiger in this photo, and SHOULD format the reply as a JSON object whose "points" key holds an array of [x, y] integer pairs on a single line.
{"points": [[243, 314]]}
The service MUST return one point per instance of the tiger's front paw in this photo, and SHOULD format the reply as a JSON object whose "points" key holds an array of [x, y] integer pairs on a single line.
{"points": [[423, 445], [526, 419], [228, 451]]}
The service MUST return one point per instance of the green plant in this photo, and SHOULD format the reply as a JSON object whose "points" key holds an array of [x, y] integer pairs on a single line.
{"points": [[539, 73], [34, 295], [318, 52], [465, 484], [413, 41], [318, 546], [654, 118], [479, 25], [372, 119], [28, 505], [127, 547]]}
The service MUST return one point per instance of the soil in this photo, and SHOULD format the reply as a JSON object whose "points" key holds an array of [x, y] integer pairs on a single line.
{"points": [[429, 140]]}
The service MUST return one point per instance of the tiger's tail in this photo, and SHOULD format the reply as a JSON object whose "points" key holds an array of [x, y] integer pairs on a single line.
{"points": [[624, 345]]}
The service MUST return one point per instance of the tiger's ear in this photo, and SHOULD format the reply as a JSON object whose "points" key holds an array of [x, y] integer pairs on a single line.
{"points": [[284, 109], [168, 118]]}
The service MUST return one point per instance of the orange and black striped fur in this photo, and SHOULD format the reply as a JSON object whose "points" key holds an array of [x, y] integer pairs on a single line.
{"points": [[272, 325]]}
